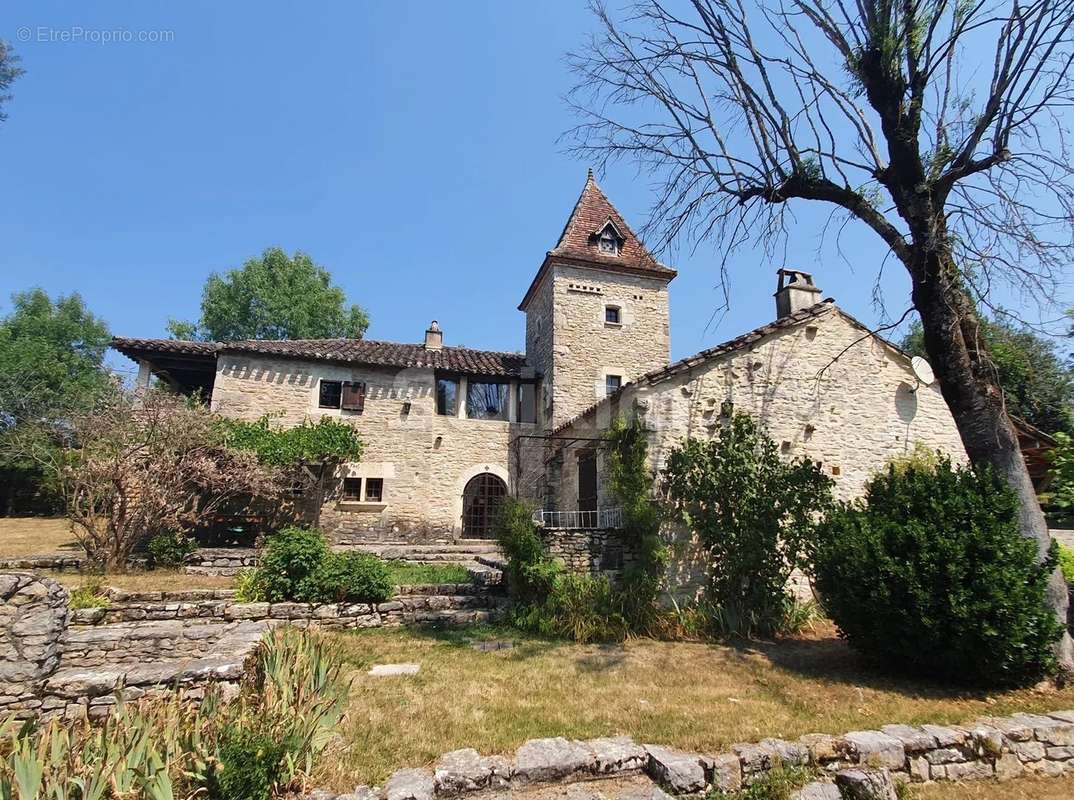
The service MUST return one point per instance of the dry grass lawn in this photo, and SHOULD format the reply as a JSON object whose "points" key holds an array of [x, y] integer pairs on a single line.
{"points": [[32, 536], [699, 697], [1021, 789]]}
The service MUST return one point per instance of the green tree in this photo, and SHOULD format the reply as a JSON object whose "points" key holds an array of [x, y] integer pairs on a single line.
{"points": [[9, 71], [51, 363], [1037, 384], [51, 355], [275, 296]]}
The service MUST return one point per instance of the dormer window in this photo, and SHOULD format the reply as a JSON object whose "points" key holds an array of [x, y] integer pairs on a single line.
{"points": [[609, 242]]}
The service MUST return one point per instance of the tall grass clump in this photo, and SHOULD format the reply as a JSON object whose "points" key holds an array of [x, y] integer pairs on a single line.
{"points": [[168, 748]]}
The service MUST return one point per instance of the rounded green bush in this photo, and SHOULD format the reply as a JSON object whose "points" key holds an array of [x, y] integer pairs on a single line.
{"points": [[929, 574], [347, 578], [290, 556]]}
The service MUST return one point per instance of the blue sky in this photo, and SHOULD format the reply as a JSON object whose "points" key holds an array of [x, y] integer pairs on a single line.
{"points": [[411, 148]]}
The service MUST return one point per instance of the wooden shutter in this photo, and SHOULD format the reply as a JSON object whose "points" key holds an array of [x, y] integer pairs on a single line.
{"points": [[353, 396]]}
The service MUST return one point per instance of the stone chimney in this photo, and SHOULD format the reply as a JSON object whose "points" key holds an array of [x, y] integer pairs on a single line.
{"points": [[795, 290], [434, 337]]}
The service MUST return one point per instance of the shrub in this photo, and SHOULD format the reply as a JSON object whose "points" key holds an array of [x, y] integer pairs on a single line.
{"points": [[289, 557], [296, 564], [347, 577], [89, 595], [250, 764], [531, 571], [754, 513], [1066, 563], [170, 549], [928, 573]]}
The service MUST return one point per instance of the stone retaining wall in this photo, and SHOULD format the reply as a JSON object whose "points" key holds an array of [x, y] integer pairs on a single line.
{"points": [[992, 747], [449, 603], [220, 560], [594, 550], [33, 618]]}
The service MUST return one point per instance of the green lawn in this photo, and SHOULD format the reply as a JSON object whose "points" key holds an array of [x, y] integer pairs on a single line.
{"points": [[406, 574], [700, 697]]}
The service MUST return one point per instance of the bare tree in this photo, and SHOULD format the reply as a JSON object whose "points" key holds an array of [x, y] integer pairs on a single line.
{"points": [[133, 466], [936, 123]]}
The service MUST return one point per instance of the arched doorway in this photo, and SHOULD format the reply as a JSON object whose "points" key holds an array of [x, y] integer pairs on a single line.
{"points": [[481, 501]]}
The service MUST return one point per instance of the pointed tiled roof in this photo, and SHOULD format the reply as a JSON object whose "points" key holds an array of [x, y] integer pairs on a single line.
{"points": [[579, 241]]}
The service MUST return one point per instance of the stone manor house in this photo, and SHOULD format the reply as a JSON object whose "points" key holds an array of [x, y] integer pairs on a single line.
{"points": [[450, 430]]}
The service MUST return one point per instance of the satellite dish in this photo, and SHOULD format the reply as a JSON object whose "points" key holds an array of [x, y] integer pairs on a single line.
{"points": [[922, 371]]}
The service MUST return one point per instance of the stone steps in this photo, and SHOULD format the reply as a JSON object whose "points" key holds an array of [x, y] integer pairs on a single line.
{"points": [[434, 553]]}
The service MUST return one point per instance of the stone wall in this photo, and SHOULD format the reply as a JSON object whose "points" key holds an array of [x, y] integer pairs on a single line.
{"points": [[993, 747], [851, 414], [440, 603], [423, 458], [33, 618], [592, 551], [578, 349]]}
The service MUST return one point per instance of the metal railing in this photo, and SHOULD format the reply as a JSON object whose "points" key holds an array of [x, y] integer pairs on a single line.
{"points": [[580, 520]]}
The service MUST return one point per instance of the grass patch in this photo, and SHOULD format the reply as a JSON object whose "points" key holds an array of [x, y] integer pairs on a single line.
{"points": [[699, 697], [408, 574], [157, 580], [34, 536], [1035, 788]]}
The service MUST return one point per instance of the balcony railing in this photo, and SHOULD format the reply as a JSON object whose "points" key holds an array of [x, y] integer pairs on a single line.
{"points": [[580, 520]]}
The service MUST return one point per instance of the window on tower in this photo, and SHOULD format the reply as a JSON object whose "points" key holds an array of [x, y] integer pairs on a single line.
{"points": [[609, 242]]}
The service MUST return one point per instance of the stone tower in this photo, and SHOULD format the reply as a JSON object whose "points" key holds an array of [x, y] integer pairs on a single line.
{"points": [[597, 311]]}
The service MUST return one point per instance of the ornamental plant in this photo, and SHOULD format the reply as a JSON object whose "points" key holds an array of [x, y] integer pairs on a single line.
{"points": [[929, 574], [754, 513]]}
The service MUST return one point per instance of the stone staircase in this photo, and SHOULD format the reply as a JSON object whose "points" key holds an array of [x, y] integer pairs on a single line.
{"points": [[461, 551]]}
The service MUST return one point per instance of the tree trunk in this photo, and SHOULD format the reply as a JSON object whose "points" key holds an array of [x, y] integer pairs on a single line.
{"points": [[969, 386]]}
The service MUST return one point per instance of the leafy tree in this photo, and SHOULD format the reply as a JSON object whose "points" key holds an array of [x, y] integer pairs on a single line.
{"points": [[755, 514], [1036, 382], [9, 71], [273, 297], [937, 125], [51, 363]]}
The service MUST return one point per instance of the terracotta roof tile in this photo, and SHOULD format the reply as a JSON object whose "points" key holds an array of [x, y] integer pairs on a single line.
{"points": [[579, 241], [591, 214], [346, 351]]}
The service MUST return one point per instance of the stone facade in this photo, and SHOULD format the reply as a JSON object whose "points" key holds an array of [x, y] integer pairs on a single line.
{"points": [[424, 459], [821, 386], [579, 349]]}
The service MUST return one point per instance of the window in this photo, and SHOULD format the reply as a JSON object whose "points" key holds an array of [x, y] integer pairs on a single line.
{"points": [[374, 490], [347, 395], [352, 489], [612, 384], [609, 243], [613, 315], [447, 397], [331, 394], [486, 400], [527, 402]]}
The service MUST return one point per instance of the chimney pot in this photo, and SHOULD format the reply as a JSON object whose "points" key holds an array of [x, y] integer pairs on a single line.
{"points": [[795, 290], [434, 337]]}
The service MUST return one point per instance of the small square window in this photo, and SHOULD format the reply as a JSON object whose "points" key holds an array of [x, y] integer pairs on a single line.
{"points": [[374, 490], [331, 394], [612, 384], [613, 314], [352, 489]]}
